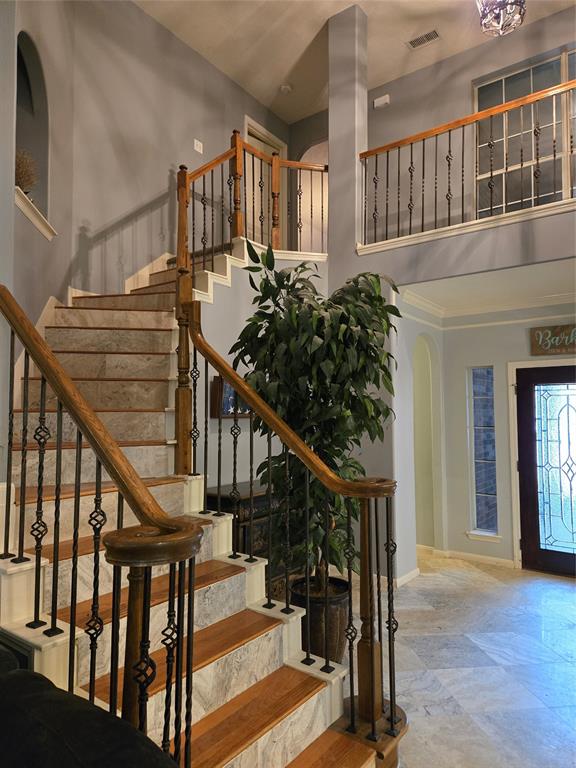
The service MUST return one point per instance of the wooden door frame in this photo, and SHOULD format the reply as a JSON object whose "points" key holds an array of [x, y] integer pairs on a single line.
{"points": [[513, 426]]}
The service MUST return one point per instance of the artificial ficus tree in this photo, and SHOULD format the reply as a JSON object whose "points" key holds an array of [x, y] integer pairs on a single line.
{"points": [[322, 363]]}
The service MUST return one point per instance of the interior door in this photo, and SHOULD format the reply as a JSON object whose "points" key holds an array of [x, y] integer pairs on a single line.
{"points": [[259, 190], [546, 406]]}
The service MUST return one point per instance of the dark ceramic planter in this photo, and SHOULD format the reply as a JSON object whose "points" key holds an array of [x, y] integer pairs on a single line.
{"points": [[337, 618]]}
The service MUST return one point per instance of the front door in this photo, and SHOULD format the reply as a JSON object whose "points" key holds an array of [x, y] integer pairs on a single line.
{"points": [[547, 467]]}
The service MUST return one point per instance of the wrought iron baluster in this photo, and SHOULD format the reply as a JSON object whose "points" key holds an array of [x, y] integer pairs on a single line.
{"points": [[115, 623], [206, 432], [554, 146], [195, 433], [322, 213], [326, 555], [54, 629], [145, 668], [193, 206], [375, 211], [365, 161], [204, 238], [235, 431], [268, 202], [253, 199], [219, 512], [521, 157], [6, 554], [351, 631], [212, 212], [299, 193], [387, 190], [261, 216], [411, 169], [21, 558], [378, 584], [74, 574], [39, 528], [230, 183], [436, 181], [287, 554], [179, 661], [308, 660], [169, 639], [391, 622], [244, 166], [506, 163], [311, 211], [222, 198], [95, 625], [537, 169], [423, 182], [251, 558], [449, 158], [269, 603], [189, 664], [372, 735], [491, 183], [463, 161], [398, 197]]}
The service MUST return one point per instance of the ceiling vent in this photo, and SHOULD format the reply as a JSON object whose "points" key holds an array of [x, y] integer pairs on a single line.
{"points": [[421, 40]]}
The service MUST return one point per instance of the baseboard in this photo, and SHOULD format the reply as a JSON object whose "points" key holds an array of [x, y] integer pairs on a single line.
{"points": [[473, 557], [140, 279], [405, 578]]}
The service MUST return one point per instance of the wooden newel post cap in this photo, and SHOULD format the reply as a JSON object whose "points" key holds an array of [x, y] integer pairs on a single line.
{"points": [[183, 167], [146, 545]]}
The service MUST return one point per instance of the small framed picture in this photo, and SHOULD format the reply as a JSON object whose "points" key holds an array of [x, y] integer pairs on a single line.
{"points": [[222, 401]]}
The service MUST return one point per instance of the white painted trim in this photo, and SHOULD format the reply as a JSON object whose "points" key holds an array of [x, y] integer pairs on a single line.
{"points": [[474, 558], [513, 426], [32, 213], [477, 535], [264, 135], [405, 578], [464, 326], [289, 255], [468, 227]]}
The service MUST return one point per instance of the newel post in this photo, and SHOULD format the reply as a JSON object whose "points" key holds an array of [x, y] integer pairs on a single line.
{"points": [[369, 648], [184, 286], [275, 200], [237, 171]]}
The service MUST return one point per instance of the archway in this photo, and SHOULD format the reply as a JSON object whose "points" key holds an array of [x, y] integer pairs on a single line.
{"points": [[32, 118]]}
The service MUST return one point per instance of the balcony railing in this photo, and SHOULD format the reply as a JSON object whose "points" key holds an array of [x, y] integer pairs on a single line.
{"points": [[512, 157]]}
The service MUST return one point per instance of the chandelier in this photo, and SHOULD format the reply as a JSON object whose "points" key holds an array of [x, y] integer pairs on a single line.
{"points": [[500, 17]]}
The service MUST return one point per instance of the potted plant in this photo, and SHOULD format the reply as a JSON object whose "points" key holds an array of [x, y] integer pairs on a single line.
{"points": [[321, 363]]}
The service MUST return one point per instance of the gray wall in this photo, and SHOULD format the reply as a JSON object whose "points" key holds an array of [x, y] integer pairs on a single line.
{"points": [[126, 100]]}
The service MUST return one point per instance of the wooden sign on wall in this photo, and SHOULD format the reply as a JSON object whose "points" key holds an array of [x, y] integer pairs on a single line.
{"points": [[553, 340]]}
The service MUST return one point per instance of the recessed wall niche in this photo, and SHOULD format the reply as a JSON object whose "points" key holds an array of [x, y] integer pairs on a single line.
{"points": [[32, 117]]}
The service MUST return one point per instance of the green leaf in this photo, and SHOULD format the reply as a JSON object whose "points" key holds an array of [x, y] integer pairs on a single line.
{"points": [[252, 253], [270, 258]]}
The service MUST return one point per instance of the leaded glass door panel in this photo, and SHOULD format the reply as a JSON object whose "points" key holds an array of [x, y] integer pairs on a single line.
{"points": [[547, 467]]}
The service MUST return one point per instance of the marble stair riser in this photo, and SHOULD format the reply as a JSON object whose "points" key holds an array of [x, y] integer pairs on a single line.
{"points": [[112, 365], [122, 425], [212, 603], [115, 393], [161, 287], [93, 317], [147, 460], [169, 496], [163, 277], [164, 301], [102, 339], [219, 682], [285, 741], [86, 574]]}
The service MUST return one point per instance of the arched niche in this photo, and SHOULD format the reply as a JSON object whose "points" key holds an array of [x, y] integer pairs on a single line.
{"points": [[32, 116]]}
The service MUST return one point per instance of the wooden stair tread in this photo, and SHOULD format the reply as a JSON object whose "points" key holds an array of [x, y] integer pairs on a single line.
{"points": [[88, 489], [152, 285], [103, 296], [210, 643], [223, 734], [335, 750], [207, 573]]}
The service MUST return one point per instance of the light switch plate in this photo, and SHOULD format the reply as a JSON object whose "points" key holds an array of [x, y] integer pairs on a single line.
{"points": [[198, 146]]}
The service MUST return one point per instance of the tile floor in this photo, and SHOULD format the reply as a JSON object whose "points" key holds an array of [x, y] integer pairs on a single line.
{"points": [[487, 667]]}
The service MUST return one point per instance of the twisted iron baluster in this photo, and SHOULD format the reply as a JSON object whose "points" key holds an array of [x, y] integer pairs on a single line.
{"points": [[398, 233], [308, 660], [537, 169], [391, 622], [423, 182], [251, 558], [145, 668], [179, 661], [261, 216], [20, 558], [235, 431], [115, 623], [463, 160], [206, 405], [491, 183], [74, 574], [95, 625], [351, 631], [387, 190], [212, 213], [299, 225], [322, 210], [53, 629], [327, 666], [554, 148], [378, 584], [189, 663], [449, 158], [195, 432], [436, 182], [269, 603], [411, 169], [287, 553], [365, 162], [219, 512], [521, 157], [253, 198], [230, 183], [204, 238], [169, 638], [6, 554], [375, 211], [39, 528]]}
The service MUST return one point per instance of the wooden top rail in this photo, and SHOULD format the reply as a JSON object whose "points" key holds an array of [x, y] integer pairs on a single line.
{"points": [[207, 167], [161, 538], [555, 90], [303, 166], [256, 152], [366, 488]]}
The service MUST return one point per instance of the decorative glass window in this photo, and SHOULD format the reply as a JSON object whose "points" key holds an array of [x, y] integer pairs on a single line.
{"points": [[483, 446], [524, 154], [555, 406]]}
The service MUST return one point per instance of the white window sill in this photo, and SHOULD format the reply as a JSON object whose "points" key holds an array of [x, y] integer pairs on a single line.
{"points": [[483, 536], [32, 213]]}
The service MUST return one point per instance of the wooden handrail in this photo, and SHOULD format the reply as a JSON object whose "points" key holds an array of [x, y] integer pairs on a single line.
{"points": [[257, 152], [369, 487], [207, 167], [303, 166], [161, 538], [555, 90]]}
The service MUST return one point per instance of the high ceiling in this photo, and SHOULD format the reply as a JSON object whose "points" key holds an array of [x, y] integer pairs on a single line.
{"points": [[262, 44]]}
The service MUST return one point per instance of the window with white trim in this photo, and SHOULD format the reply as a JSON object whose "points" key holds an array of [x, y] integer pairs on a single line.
{"points": [[483, 448]]}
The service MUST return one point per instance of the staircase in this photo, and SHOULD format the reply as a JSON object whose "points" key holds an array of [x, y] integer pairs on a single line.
{"points": [[253, 703]]}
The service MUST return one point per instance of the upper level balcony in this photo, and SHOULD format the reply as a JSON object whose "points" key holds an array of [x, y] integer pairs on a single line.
{"points": [[502, 181]]}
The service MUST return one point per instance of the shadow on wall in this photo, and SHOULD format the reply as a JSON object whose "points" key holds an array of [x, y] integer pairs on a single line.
{"points": [[104, 259]]}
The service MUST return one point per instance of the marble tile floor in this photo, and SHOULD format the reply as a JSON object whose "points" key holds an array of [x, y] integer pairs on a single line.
{"points": [[486, 667]]}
